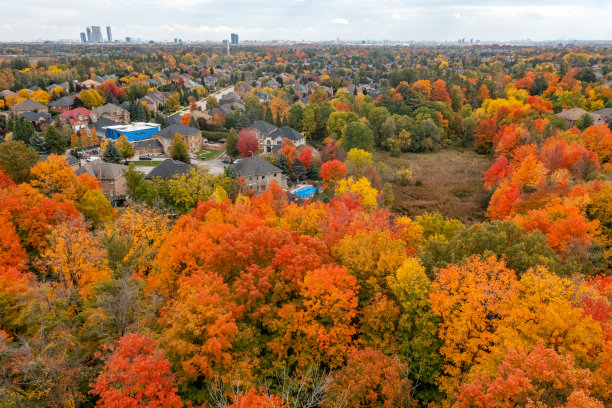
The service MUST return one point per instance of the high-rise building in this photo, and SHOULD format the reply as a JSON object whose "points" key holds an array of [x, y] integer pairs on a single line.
{"points": [[128, 39], [234, 39], [108, 34], [96, 34], [83, 38], [88, 34]]}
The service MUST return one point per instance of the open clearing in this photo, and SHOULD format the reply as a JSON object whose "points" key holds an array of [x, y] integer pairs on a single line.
{"points": [[447, 181]]}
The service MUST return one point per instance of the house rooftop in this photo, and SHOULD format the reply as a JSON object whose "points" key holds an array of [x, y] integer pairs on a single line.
{"points": [[254, 166], [133, 127]]}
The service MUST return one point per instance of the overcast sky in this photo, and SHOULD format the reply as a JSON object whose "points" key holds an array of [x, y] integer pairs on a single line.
{"points": [[438, 20]]}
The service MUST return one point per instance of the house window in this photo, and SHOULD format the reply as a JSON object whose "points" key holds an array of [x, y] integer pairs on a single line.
{"points": [[111, 182], [111, 193]]}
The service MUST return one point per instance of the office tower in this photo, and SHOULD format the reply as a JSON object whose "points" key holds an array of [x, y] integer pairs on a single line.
{"points": [[108, 34], [234, 39], [128, 39], [96, 34], [225, 42], [88, 34], [83, 38]]}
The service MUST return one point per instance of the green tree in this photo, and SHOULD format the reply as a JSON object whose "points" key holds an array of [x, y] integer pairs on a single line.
{"points": [[55, 142], [111, 153], [16, 159], [232, 142], [358, 136], [126, 149], [38, 143], [211, 103], [296, 116], [377, 118], [178, 149], [584, 121], [23, 130]]}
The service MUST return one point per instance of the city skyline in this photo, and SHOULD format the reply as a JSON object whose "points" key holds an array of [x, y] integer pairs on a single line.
{"points": [[315, 20]]}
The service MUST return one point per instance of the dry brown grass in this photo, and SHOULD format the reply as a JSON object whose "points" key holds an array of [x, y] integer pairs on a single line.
{"points": [[448, 181]]}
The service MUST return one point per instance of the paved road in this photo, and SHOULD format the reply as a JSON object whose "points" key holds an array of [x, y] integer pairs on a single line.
{"points": [[214, 166], [202, 102]]}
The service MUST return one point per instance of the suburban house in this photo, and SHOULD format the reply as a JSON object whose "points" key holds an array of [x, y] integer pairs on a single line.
{"points": [[273, 141], [572, 115], [170, 168], [262, 129], [259, 173], [37, 118], [155, 99], [110, 177], [29, 106], [77, 118], [191, 136], [606, 113], [111, 111], [134, 132], [148, 146], [63, 104]]}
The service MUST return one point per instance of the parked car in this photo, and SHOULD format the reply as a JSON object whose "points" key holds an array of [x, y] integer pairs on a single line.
{"points": [[227, 160], [93, 158], [145, 157]]}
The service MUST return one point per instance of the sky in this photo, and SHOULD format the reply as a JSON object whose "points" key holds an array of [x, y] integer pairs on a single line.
{"points": [[310, 20]]}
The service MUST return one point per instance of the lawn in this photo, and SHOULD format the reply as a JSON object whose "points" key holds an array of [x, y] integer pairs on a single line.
{"points": [[448, 181], [209, 154], [151, 163]]}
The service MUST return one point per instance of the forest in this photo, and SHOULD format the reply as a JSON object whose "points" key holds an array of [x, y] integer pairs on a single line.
{"points": [[202, 293]]}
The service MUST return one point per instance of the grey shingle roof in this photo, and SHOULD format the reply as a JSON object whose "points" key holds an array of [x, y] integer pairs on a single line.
{"points": [[182, 130], [263, 127], [63, 101], [147, 143], [286, 132], [169, 168], [102, 170], [254, 166], [29, 105]]}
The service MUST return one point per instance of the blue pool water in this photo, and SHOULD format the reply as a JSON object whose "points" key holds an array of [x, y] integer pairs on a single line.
{"points": [[305, 192]]}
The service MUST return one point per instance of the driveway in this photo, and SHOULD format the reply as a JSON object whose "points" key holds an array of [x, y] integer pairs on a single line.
{"points": [[214, 166], [202, 102]]}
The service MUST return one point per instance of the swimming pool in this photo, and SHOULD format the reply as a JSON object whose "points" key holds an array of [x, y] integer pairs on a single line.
{"points": [[305, 192]]}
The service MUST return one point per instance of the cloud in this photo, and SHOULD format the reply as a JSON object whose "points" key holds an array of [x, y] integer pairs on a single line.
{"points": [[395, 16], [340, 21]]}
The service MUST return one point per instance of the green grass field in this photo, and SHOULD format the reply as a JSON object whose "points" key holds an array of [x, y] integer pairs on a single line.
{"points": [[151, 163], [209, 154]]}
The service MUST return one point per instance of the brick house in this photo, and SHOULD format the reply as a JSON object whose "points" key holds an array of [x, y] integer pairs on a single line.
{"points": [[148, 146], [63, 104], [110, 177], [29, 106], [112, 112], [259, 173], [191, 136], [78, 118]]}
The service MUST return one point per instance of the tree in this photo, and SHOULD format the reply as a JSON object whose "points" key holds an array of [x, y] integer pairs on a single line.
{"points": [[370, 379], [247, 144], [55, 142], [16, 159], [23, 130], [584, 121], [358, 161], [377, 118], [357, 136], [111, 153], [126, 149], [38, 143], [95, 207], [232, 143], [91, 98], [211, 103], [178, 149], [332, 172], [136, 375]]}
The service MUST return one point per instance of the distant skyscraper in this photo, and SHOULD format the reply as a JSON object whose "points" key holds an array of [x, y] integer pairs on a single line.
{"points": [[88, 34], [108, 34], [96, 34], [234, 39], [128, 39], [83, 38]]}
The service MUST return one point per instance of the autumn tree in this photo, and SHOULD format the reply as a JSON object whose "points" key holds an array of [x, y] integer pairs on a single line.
{"points": [[332, 172], [247, 144], [126, 149], [16, 159], [232, 143], [178, 149], [136, 375]]}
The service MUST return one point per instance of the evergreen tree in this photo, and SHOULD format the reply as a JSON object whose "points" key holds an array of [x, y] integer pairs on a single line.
{"points": [[313, 172], [23, 130], [70, 86], [193, 123], [231, 172], [298, 170], [55, 142], [38, 143], [161, 119], [231, 143], [281, 163], [296, 117], [268, 117], [111, 153]]}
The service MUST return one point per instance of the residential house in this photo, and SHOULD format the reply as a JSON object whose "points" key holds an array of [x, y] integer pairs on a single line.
{"points": [[78, 118], [29, 106], [274, 140], [229, 98], [38, 119], [111, 111], [191, 136], [264, 97], [89, 84], [63, 104], [110, 178], [262, 129], [572, 115], [606, 114], [148, 146], [156, 99], [170, 168], [259, 173]]}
